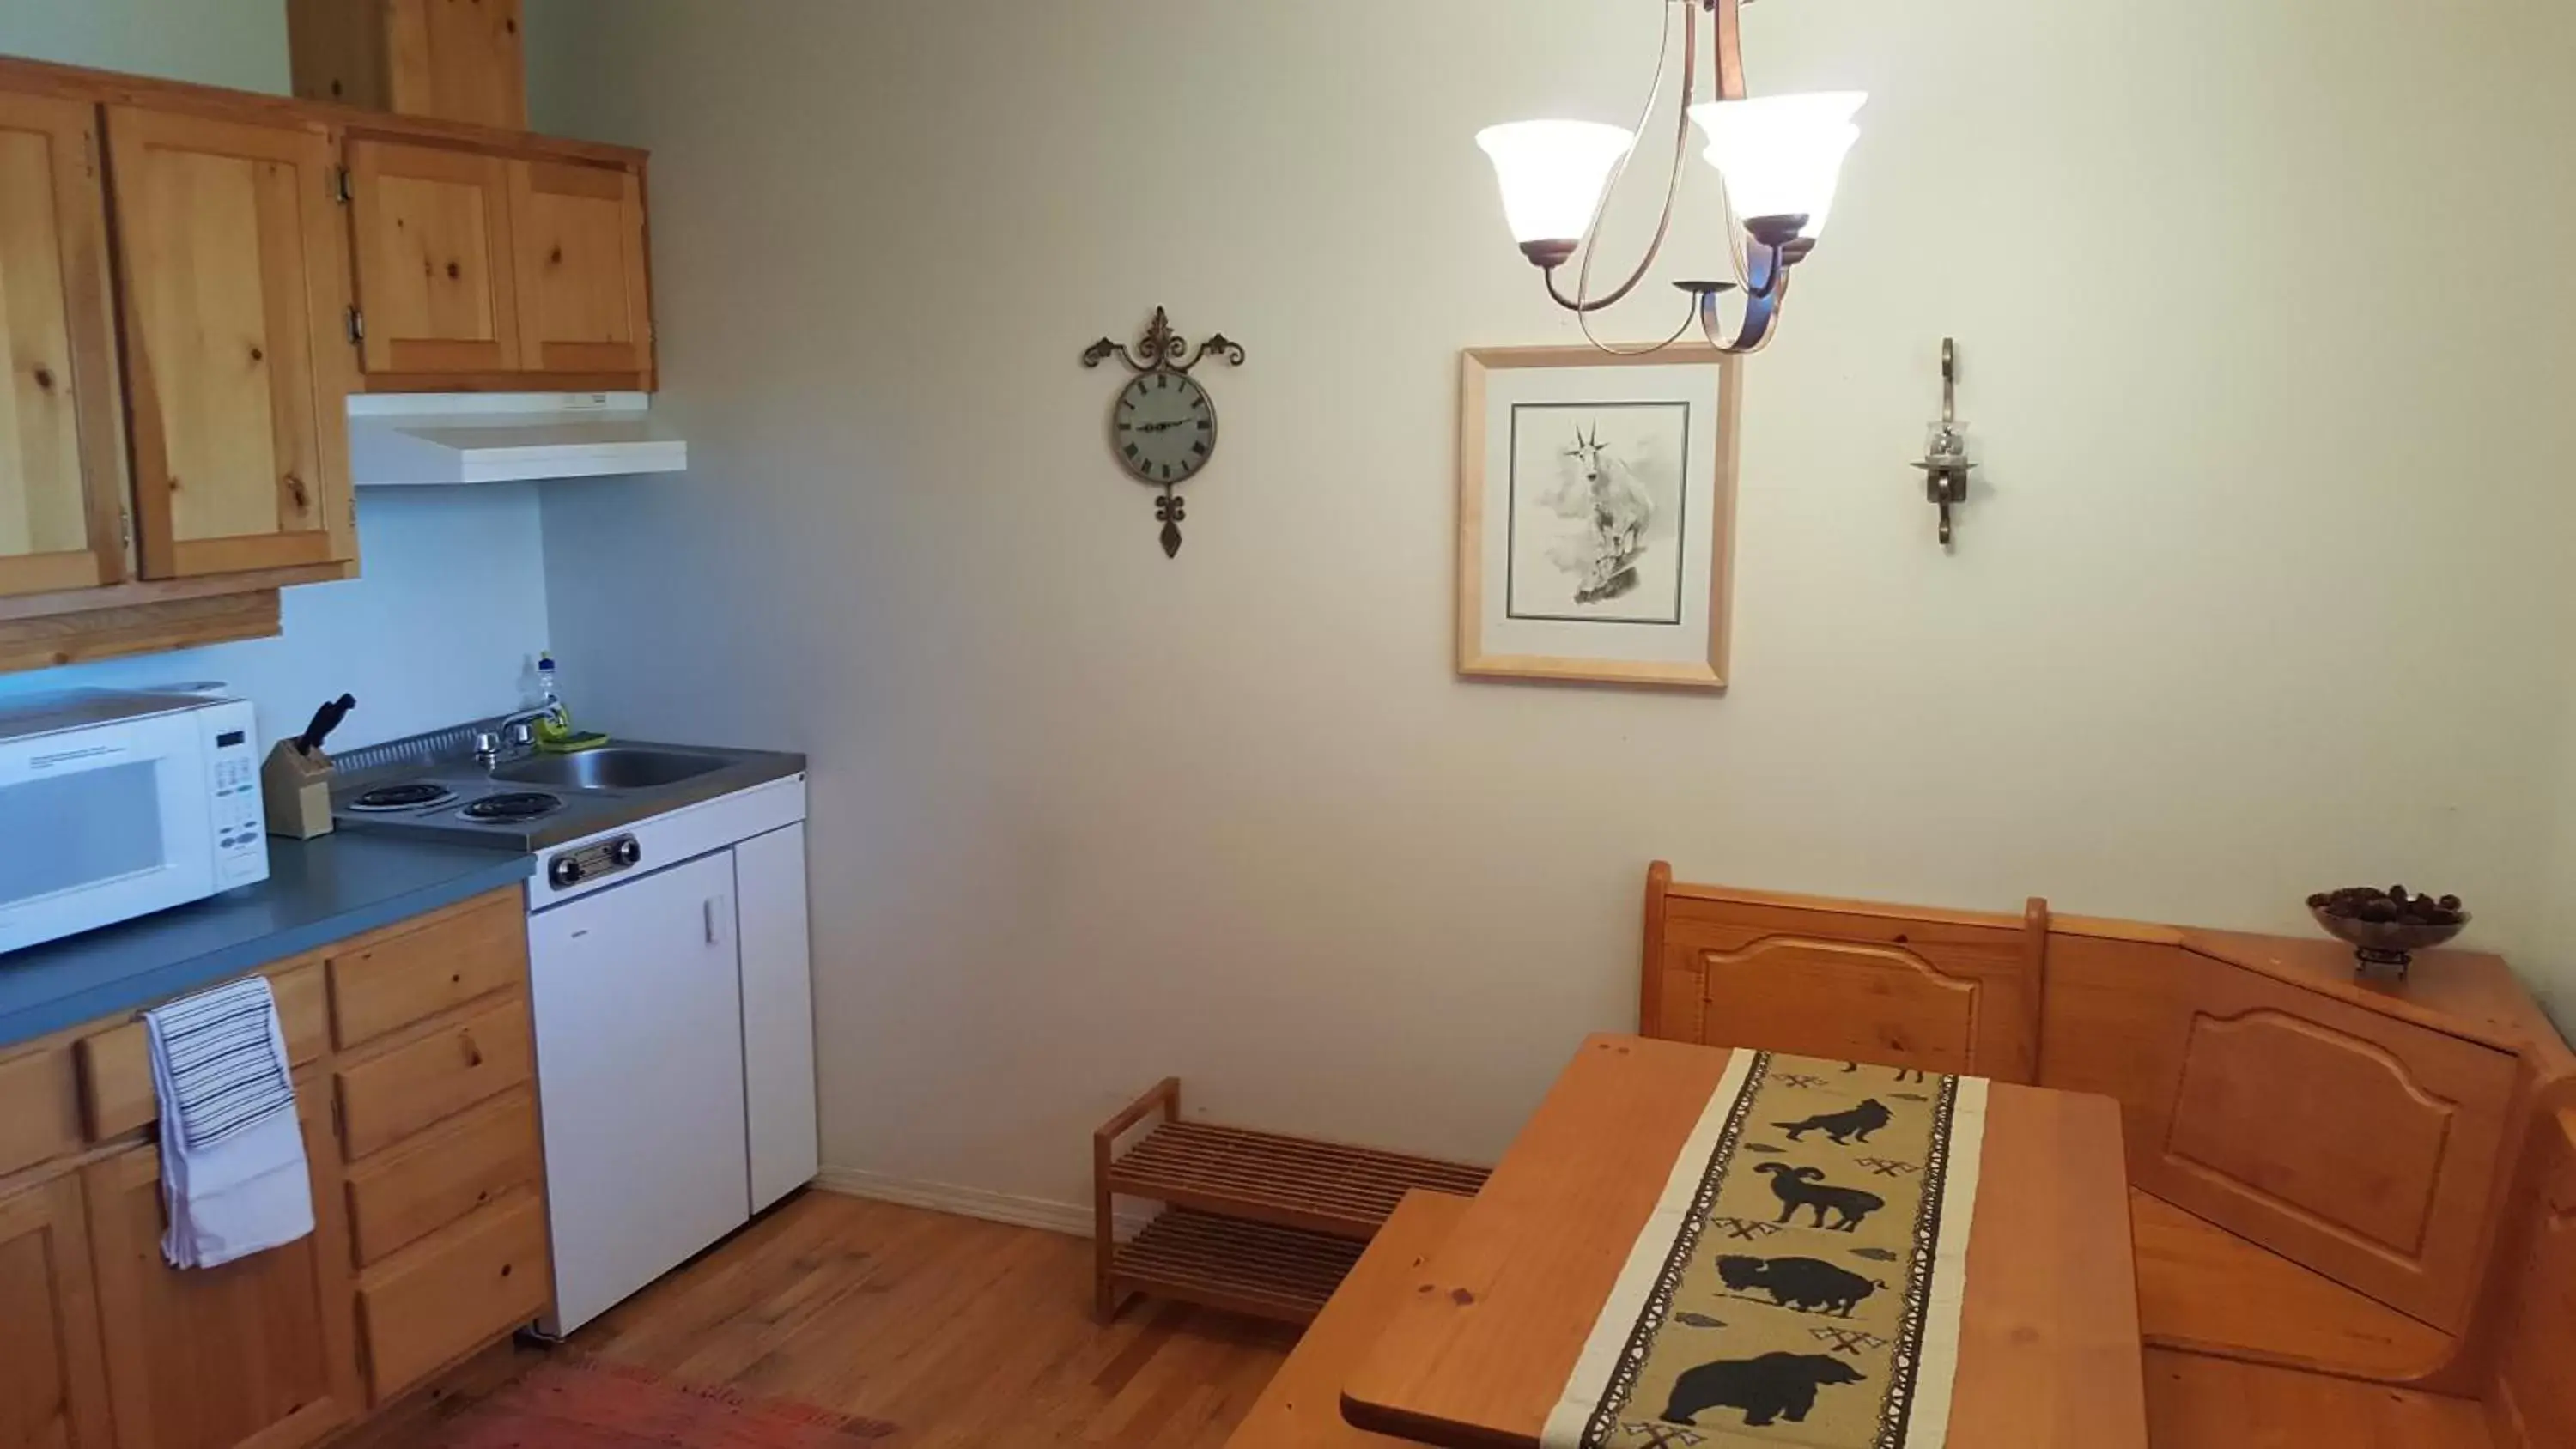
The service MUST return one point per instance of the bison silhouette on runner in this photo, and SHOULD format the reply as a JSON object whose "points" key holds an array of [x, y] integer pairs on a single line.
{"points": [[1809, 1285]]}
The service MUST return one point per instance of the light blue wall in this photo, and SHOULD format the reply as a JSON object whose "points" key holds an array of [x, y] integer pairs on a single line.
{"points": [[451, 605], [239, 43]]}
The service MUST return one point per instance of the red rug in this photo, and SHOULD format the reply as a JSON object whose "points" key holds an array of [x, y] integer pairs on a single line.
{"points": [[569, 1403]]}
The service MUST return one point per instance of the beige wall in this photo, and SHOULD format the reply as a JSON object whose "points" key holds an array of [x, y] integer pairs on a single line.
{"points": [[2267, 327]]}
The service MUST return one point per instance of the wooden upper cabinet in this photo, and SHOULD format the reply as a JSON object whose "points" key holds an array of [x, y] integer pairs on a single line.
{"points": [[434, 259], [62, 453], [454, 60], [235, 268], [585, 302], [257, 1354], [53, 1381]]}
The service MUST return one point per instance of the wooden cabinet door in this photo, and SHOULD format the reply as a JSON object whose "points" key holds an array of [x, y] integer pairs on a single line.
{"points": [[585, 303], [434, 259], [62, 452], [237, 364], [53, 1385], [256, 1354], [459, 60]]}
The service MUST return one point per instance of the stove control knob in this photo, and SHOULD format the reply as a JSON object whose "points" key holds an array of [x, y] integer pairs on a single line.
{"points": [[624, 851], [565, 872]]}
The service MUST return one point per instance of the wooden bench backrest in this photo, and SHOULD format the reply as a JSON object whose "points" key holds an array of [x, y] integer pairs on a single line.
{"points": [[1302, 1408], [1946, 991], [2533, 1399]]}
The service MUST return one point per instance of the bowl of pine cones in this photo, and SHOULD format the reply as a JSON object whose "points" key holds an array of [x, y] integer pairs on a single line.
{"points": [[2386, 927]]}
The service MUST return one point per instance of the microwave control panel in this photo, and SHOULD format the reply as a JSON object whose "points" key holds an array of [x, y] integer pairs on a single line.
{"points": [[241, 825]]}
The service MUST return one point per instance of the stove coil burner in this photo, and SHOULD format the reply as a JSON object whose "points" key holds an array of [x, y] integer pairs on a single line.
{"points": [[508, 808], [401, 797]]}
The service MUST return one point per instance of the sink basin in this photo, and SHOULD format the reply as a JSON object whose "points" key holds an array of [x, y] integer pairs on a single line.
{"points": [[612, 768]]}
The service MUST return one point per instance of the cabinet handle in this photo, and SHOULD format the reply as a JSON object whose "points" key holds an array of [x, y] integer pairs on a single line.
{"points": [[473, 1053], [707, 910]]}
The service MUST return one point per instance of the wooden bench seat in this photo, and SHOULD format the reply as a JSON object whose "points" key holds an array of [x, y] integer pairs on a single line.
{"points": [[2196, 1402], [1302, 1409], [2508, 1385], [2204, 1289]]}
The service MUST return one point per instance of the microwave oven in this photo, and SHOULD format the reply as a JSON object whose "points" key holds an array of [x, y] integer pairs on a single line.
{"points": [[114, 805]]}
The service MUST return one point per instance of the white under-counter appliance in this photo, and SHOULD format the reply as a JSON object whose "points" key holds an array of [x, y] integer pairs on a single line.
{"points": [[675, 1037], [114, 805]]}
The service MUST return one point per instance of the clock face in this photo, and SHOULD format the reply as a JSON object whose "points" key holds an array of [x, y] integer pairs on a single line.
{"points": [[1164, 428]]}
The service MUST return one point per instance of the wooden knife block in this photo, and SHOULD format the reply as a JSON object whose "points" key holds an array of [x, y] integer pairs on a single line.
{"points": [[296, 789]]}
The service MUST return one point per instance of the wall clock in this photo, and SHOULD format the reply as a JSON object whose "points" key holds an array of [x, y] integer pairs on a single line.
{"points": [[1162, 425]]}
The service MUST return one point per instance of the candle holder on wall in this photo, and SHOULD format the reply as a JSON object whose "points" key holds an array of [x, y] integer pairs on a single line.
{"points": [[1946, 463]]}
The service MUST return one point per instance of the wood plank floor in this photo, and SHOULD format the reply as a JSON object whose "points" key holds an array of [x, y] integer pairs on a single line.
{"points": [[949, 1331]]}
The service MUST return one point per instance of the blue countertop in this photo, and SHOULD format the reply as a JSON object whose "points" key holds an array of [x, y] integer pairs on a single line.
{"points": [[317, 891]]}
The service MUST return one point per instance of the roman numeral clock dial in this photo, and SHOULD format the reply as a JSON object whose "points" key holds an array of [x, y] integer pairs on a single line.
{"points": [[1162, 426]]}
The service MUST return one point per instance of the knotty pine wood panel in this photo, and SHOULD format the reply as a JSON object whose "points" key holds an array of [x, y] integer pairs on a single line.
{"points": [[388, 1095], [62, 453], [2359, 1144], [1942, 991], [389, 980], [257, 1354], [435, 263], [403, 1195], [236, 274], [585, 294], [53, 1380], [459, 60], [41, 1119], [117, 1095], [447, 1294]]}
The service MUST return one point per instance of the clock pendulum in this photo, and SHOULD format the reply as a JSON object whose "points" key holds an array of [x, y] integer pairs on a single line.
{"points": [[1162, 427]]}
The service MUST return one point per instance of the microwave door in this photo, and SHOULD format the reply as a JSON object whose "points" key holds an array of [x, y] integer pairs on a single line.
{"points": [[101, 824]]}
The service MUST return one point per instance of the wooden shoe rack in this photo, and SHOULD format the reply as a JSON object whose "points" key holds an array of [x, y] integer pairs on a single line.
{"points": [[1252, 1222]]}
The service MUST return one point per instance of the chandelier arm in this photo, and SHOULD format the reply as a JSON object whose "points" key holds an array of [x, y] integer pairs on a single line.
{"points": [[1730, 49], [1762, 302], [1583, 301]]}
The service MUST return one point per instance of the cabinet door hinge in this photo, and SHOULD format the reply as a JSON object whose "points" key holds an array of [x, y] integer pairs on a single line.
{"points": [[340, 191], [357, 325], [124, 529]]}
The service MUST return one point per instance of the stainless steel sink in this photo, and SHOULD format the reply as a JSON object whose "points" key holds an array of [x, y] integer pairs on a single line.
{"points": [[613, 768]]}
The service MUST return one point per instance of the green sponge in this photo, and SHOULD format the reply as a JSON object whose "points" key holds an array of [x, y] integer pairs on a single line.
{"points": [[563, 739]]}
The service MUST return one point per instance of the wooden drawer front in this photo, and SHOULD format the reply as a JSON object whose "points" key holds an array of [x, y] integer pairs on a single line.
{"points": [[39, 1110], [444, 1174], [452, 1293], [116, 1065], [391, 982], [387, 1098]]}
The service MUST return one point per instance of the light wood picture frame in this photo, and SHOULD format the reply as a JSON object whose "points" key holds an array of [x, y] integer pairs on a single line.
{"points": [[1596, 515]]}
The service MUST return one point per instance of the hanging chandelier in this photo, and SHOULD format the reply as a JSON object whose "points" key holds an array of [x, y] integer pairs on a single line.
{"points": [[1778, 158]]}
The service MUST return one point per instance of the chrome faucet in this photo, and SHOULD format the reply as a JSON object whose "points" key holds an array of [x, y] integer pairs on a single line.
{"points": [[515, 734]]}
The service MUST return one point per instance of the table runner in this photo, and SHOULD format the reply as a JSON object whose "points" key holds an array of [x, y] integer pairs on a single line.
{"points": [[1799, 1282]]}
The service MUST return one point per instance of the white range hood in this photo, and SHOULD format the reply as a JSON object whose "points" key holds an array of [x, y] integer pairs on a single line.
{"points": [[416, 440]]}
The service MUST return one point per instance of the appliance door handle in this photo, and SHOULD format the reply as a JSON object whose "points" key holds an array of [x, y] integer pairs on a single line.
{"points": [[707, 912]]}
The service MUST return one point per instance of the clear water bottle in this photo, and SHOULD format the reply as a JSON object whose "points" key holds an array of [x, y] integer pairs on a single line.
{"points": [[549, 685]]}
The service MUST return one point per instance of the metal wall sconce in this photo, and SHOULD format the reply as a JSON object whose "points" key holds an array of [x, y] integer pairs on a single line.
{"points": [[1946, 464]]}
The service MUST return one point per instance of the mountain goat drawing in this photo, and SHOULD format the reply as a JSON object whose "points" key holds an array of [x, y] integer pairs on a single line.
{"points": [[1602, 488]]}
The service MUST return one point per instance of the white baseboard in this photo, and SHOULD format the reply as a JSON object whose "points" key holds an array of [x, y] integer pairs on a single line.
{"points": [[976, 1202]]}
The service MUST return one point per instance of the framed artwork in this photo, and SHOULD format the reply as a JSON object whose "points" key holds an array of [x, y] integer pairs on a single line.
{"points": [[1596, 515]]}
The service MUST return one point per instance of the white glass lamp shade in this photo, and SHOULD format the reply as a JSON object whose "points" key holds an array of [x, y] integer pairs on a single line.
{"points": [[1553, 173], [1782, 155]]}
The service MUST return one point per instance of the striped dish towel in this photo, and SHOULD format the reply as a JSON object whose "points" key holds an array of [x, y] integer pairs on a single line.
{"points": [[232, 1152]]}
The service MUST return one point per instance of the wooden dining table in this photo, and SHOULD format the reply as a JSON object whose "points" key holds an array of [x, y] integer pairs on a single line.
{"points": [[1479, 1351]]}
